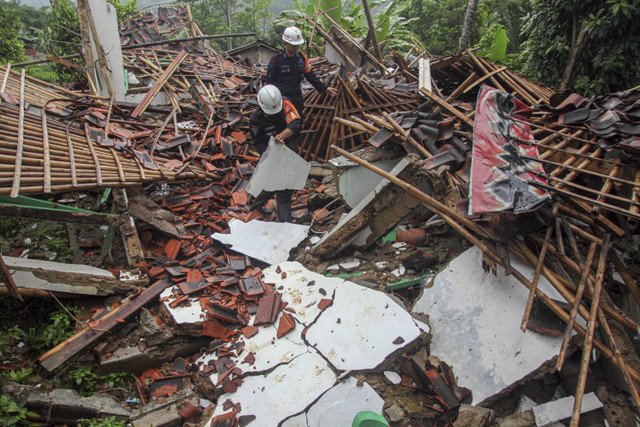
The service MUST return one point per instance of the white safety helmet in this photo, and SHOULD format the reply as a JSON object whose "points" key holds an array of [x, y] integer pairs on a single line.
{"points": [[293, 35], [270, 99]]}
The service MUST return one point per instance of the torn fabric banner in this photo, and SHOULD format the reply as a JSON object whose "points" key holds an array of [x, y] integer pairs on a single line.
{"points": [[502, 149]]}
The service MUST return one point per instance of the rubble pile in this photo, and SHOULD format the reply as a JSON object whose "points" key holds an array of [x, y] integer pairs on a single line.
{"points": [[542, 187]]}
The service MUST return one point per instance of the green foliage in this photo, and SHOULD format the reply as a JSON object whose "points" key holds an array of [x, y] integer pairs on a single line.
{"points": [[32, 21], [8, 337], [17, 375], [13, 415], [47, 236], [255, 16], [499, 49], [439, 24], [60, 34], [391, 19], [124, 10], [58, 328], [101, 422], [610, 55], [507, 14], [225, 16], [45, 72], [11, 47], [116, 379], [493, 44], [82, 379], [10, 226]]}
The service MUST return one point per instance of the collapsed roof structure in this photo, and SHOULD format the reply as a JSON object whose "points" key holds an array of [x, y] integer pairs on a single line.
{"points": [[545, 185]]}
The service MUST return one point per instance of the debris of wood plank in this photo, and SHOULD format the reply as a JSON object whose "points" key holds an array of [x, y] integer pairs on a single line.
{"points": [[58, 357]]}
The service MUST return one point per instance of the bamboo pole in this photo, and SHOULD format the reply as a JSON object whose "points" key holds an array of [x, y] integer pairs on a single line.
{"points": [[588, 341], [15, 189], [536, 276], [6, 77], [574, 309], [635, 197]]}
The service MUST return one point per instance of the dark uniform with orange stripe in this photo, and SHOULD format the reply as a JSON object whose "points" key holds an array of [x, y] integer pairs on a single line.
{"points": [[262, 127], [286, 73]]}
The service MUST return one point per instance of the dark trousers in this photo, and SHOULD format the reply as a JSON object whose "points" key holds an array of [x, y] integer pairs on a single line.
{"points": [[283, 199]]}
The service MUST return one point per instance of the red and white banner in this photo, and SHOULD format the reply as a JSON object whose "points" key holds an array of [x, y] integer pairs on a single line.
{"points": [[501, 166]]}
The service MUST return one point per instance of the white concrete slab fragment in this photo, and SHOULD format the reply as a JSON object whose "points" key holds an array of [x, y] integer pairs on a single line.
{"points": [[279, 168], [340, 405], [60, 277], [475, 322], [561, 409], [357, 332], [297, 292], [27, 279], [106, 20], [393, 377], [356, 183], [183, 315], [269, 351], [265, 241], [525, 404], [283, 392], [34, 264]]}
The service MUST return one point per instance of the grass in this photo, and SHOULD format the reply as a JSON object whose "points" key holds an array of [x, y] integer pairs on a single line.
{"points": [[43, 72]]}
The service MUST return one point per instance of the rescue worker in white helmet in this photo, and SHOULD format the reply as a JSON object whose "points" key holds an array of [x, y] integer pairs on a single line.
{"points": [[287, 69], [277, 117]]}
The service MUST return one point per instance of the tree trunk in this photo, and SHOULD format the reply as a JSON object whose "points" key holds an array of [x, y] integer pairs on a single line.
{"points": [[469, 19], [228, 13], [576, 47]]}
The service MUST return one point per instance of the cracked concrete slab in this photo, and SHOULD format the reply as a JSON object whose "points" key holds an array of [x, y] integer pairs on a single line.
{"points": [[270, 242], [283, 392], [269, 351], [339, 406], [361, 328], [301, 289], [279, 168], [463, 305]]}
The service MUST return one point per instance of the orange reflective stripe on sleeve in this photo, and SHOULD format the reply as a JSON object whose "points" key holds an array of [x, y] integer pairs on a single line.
{"points": [[307, 66], [290, 112]]}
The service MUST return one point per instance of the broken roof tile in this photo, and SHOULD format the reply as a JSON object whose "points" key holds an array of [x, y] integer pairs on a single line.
{"points": [[286, 325], [324, 303], [267, 309], [249, 331]]}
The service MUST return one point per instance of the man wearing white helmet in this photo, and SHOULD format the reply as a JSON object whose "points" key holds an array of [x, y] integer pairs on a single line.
{"points": [[287, 69], [277, 117]]}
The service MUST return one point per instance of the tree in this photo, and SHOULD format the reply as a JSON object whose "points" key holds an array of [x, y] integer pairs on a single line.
{"points": [[591, 45], [61, 32], [391, 19], [469, 19], [236, 16], [11, 47], [507, 14], [124, 10], [439, 24]]}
